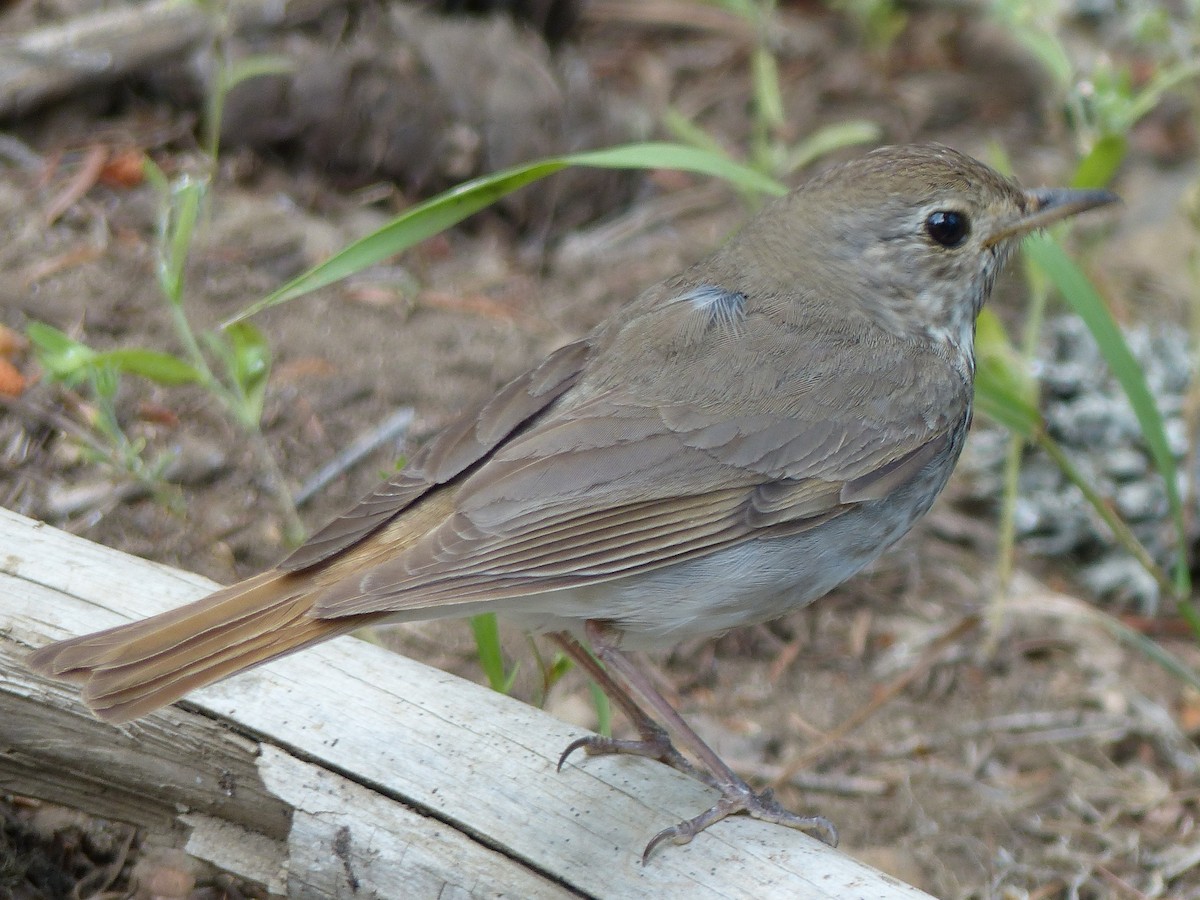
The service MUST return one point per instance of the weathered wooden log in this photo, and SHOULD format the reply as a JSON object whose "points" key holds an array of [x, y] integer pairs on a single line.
{"points": [[102, 47], [347, 770]]}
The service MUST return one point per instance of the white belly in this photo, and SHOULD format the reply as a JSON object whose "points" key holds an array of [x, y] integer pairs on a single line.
{"points": [[741, 585]]}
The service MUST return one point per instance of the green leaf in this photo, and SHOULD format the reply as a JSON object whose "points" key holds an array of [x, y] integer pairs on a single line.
{"points": [[829, 139], [105, 382], [59, 354], [1046, 46], [449, 208], [684, 129], [176, 227], [48, 339], [256, 67], [1096, 170], [559, 666], [67, 359], [1166, 79], [660, 155], [157, 177], [744, 8], [603, 709], [161, 368], [491, 659], [1075, 288], [765, 73], [1004, 391], [1149, 648], [249, 367]]}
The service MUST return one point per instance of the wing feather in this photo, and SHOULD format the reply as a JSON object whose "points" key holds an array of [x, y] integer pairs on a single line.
{"points": [[456, 449], [628, 475]]}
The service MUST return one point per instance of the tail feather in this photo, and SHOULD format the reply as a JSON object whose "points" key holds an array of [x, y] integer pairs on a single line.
{"points": [[134, 669]]}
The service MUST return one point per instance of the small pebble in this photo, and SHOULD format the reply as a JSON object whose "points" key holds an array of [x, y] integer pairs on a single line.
{"points": [[1088, 413]]}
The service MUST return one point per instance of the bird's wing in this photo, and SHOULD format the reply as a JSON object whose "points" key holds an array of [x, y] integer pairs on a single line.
{"points": [[625, 478], [528, 524], [455, 450]]}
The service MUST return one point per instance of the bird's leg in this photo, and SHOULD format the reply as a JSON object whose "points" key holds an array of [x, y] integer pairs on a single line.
{"points": [[653, 741], [737, 797]]}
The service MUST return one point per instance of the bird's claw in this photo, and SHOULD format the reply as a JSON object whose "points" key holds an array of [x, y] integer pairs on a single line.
{"points": [[578, 743], [654, 745], [740, 799]]}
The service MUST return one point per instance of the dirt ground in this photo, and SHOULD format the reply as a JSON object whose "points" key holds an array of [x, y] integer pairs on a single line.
{"points": [[971, 749]]}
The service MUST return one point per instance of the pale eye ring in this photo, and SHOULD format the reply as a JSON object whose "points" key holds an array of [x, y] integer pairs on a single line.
{"points": [[948, 227]]}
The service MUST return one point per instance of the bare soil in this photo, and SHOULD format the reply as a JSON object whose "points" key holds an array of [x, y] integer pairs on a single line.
{"points": [[973, 749]]}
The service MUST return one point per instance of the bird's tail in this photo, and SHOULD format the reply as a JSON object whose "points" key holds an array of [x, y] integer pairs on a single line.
{"points": [[134, 669]]}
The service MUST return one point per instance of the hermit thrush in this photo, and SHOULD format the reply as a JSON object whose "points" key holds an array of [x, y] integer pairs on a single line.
{"points": [[731, 445]]}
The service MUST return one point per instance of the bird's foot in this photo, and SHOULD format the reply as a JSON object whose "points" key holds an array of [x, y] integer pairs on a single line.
{"points": [[653, 743], [740, 799]]}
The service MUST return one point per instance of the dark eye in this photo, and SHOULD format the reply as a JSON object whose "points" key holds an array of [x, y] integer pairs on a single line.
{"points": [[947, 227]]}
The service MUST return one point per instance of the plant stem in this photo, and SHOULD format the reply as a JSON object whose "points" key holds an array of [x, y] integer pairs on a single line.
{"points": [[183, 331], [1125, 537], [277, 484], [1006, 546]]}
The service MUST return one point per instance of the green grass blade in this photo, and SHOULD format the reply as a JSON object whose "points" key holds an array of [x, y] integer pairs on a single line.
{"points": [[255, 67], [1097, 169], [684, 129], [662, 155], [178, 227], [491, 659], [764, 71], [65, 358], [830, 138], [449, 208], [1088, 305], [1147, 646], [248, 365], [1121, 531], [1004, 391], [603, 709], [161, 368]]}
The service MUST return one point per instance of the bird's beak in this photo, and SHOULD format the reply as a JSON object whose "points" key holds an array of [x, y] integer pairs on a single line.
{"points": [[1045, 206]]}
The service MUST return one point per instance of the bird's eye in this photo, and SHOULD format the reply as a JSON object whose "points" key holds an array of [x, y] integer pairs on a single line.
{"points": [[947, 227]]}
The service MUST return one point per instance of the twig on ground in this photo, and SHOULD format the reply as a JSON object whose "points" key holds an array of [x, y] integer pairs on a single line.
{"points": [[820, 783], [81, 182], [890, 691], [1021, 729], [386, 432]]}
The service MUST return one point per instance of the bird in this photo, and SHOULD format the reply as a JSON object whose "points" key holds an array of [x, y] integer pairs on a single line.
{"points": [[731, 445]]}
